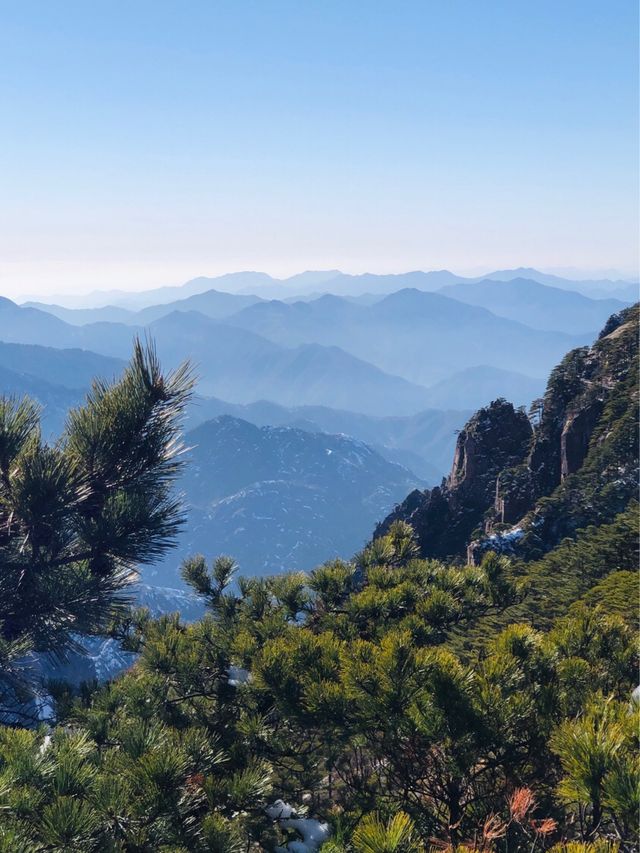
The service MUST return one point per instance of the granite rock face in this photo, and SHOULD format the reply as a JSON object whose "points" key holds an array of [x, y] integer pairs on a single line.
{"points": [[496, 437], [519, 484]]}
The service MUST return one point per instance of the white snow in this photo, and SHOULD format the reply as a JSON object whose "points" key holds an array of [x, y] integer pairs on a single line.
{"points": [[237, 676], [504, 543], [508, 536], [279, 810], [314, 832], [107, 657]]}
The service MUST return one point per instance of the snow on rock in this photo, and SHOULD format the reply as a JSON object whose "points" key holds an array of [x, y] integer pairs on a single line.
{"points": [[505, 542], [237, 676], [313, 832], [279, 810], [512, 535], [107, 656], [502, 543]]}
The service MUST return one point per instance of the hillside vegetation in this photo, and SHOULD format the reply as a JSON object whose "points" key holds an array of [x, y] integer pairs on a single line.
{"points": [[401, 701]]}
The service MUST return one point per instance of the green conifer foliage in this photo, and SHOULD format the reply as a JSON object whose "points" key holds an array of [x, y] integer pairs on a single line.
{"points": [[78, 517], [388, 703]]}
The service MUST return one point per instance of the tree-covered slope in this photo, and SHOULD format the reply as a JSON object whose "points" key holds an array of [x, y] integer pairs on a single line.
{"points": [[327, 712], [392, 702]]}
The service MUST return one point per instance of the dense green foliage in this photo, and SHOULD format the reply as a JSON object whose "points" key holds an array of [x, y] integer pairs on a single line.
{"points": [[77, 517], [399, 703], [599, 566], [339, 693]]}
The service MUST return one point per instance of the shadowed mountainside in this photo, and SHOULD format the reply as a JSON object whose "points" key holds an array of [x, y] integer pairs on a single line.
{"points": [[279, 498]]}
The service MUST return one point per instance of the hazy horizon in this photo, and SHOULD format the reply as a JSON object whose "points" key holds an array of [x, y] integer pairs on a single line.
{"points": [[568, 273], [143, 146]]}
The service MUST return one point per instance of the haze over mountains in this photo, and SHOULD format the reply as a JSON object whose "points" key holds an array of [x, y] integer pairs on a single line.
{"points": [[334, 281], [540, 306], [422, 443], [276, 497], [212, 303], [423, 337], [413, 335], [320, 395], [59, 378]]}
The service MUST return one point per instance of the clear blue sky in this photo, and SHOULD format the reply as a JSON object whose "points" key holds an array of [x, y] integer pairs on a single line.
{"points": [[144, 143]]}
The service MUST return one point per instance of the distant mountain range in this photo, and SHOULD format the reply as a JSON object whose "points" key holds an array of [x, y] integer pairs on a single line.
{"points": [[278, 498], [56, 378], [423, 337], [376, 359], [70, 368], [477, 386], [55, 401], [538, 305], [242, 366], [334, 281], [213, 303], [314, 415], [232, 363], [596, 288], [423, 442]]}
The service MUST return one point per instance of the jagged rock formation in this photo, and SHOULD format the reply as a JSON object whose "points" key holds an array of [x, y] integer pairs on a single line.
{"points": [[495, 438], [521, 489]]}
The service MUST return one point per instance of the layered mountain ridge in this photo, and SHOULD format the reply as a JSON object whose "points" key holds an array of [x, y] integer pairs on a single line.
{"points": [[407, 352], [542, 306], [335, 281]]}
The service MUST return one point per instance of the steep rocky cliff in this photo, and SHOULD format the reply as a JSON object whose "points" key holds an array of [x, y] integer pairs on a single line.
{"points": [[520, 484], [495, 438]]}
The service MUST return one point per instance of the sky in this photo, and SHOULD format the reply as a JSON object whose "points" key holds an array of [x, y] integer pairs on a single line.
{"points": [[146, 143]]}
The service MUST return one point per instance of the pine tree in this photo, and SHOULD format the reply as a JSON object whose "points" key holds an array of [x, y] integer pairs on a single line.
{"points": [[78, 516]]}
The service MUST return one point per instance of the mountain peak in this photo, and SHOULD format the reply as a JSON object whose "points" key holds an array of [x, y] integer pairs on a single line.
{"points": [[282, 497]]}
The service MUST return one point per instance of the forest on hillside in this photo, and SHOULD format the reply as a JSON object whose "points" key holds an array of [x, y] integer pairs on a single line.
{"points": [[394, 702]]}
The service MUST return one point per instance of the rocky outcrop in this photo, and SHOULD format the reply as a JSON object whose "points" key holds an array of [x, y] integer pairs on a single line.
{"points": [[518, 489], [495, 438], [515, 493], [577, 430]]}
